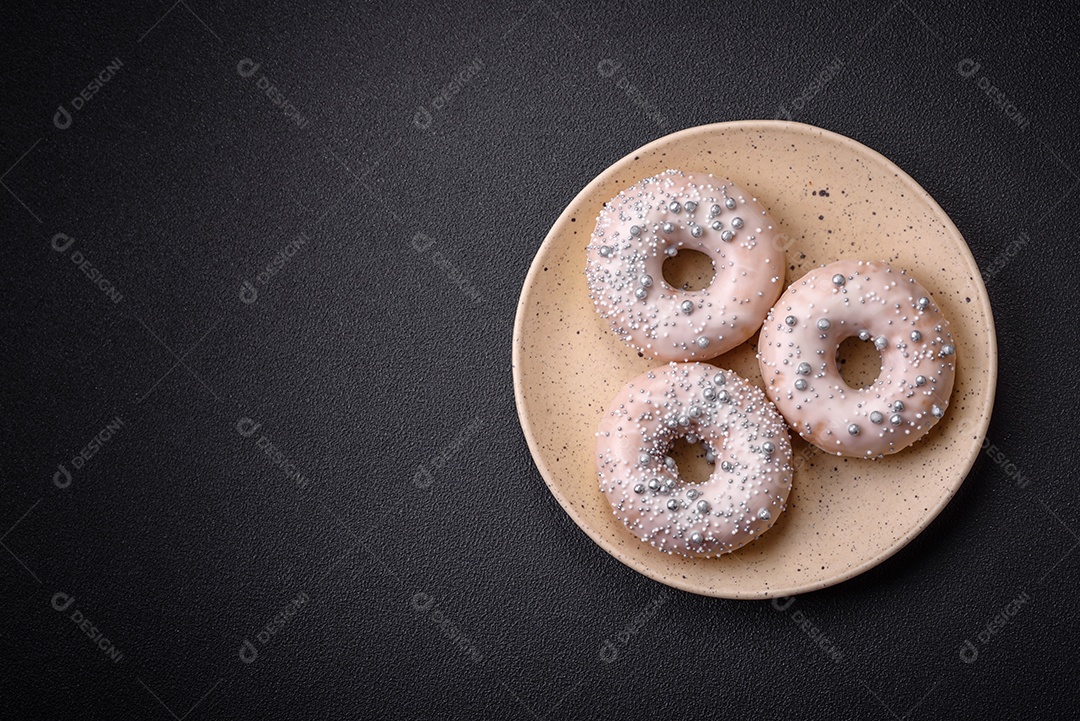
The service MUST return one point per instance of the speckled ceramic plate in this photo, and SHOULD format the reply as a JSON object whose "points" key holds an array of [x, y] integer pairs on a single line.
{"points": [[833, 198]]}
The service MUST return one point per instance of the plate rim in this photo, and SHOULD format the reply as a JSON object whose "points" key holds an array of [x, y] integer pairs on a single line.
{"points": [[530, 437]]}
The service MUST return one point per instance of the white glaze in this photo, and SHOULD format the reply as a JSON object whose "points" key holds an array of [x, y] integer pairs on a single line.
{"points": [[883, 301], [749, 268]]}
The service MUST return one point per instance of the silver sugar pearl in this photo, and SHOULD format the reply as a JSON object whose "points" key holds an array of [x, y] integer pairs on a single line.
{"points": [[697, 538], [639, 488], [723, 397], [687, 306], [654, 484], [672, 504], [726, 236], [709, 393], [853, 429], [645, 280], [716, 225], [947, 350], [644, 459], [730, 203], [937, 411], [684, 420], [690, 206], [768, 447], [800, 385], [668, 227], [692, 493], [791, 320], [864, 335], [670, 463], [605, 250], [726, 466], [694, 412], [671, 250], [736, 223], [824, 323], [916, 336], [764, 514], [716, 210], [702, 506], [691, 438], [803, 369], [898, 406], [920, 380], [640, 293], [881, 342], [877, 417], [635, 231], [702, 342], [922, 303], [710, 457], [838, 279], [674, 206], [896, 419], [696, 231], [719, 379]]}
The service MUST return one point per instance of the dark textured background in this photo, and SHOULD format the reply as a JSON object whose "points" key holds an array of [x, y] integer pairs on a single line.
{"points": [[440, 577]]}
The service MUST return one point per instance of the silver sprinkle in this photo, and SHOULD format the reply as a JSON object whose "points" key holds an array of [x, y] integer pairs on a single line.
{"points": [[670, 463], [800, 385], [693, 412], [726, 466], [645, 280], [691, 438], [768, 447], [896, 419], [644, 459], [736, 223], [687, 306], [697, 538], [723, 397], [715, 210], [947, 350], [710, 394], [710, 457], [654, 484], [920, 380], [639, 488], [726, 236], [692, 494], [716, 225], [864, 335], [672, 504], [702, 342], [803, 369], [791, 320], [703, 506], [635, 231], [730, 203], [668, 227], [684, 420], [671, 250], [937, 411], [876, 417], [916, 336], [898, 406], [881, 342], [823, 323], [853, 429], [674, 206], [764, 514], [696, 231], [838, 279], [719, 379], [605, 250], [922, 303], [640, 293], [690, 206]]}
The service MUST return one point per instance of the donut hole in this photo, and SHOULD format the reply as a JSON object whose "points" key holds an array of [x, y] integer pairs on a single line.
{"points": [[690, 457], [859, 362], [689, 270]]}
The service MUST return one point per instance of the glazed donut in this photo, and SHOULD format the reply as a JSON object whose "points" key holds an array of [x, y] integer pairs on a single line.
{"points": [[741, 430], [650, 221], [797, 353]]}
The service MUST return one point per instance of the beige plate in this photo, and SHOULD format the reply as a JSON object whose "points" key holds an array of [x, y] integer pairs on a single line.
{"points": [[834, 198]]}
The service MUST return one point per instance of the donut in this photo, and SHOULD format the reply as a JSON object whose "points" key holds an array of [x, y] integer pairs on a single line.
{"points": [[745, 438], [880, 305], [651, 221]]}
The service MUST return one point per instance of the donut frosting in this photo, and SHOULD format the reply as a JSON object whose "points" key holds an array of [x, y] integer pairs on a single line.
{"points": [[880, 305], [652, 220], [747, 442]]}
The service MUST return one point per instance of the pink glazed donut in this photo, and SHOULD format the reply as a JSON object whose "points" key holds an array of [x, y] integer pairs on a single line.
{"points": [[742, 432], [797, 353], [650, 221]]}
